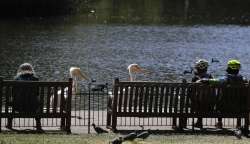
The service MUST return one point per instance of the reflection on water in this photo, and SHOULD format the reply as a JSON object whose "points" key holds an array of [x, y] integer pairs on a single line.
{"points": [[105, 51]]}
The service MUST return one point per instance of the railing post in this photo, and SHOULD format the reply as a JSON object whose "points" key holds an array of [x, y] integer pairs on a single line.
{"points": [[1, 88], [109, 109], [114, 105], [89, 87], [68, 121], [183, 120]]}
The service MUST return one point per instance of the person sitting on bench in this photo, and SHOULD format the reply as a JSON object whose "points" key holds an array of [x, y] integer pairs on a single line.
{"points": [[25, 100], [232, 77], [200, 72]]}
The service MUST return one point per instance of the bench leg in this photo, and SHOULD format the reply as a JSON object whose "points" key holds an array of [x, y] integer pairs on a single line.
{"points": [[63, 124], [174, 126], [114, 123], [68, 124], [246, 127], [109, 112], [0, 124], [193, 124], [183, 122], [238, 125], [108, 119]]}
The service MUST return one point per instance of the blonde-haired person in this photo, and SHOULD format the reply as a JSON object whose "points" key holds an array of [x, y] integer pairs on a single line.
{"points": [[26, 101]]}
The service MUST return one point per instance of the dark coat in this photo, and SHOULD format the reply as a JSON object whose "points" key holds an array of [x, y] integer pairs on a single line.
{"points": [[197, 99], [232, 79], [232, 99], [26, 77], [26, 97]]}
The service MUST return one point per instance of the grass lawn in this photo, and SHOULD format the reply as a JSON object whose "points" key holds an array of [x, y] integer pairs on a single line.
{"points": [[105, 138]]}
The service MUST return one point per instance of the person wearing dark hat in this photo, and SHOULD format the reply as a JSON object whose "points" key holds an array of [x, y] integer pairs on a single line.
{"points": [[23, 100]]}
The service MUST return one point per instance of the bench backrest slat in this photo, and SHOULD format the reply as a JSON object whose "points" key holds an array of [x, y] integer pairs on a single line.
{"points": [[126, 98], [156, 96], [63, 100], [146, 99], [171, 99], [55, 93], [182, 99], [193, 97], [153, 98], [42, 91], [167, 100], [141, 98], [49, 95], [202, 98], [176, 97], [120, 99], [208, 96], [187, 99], [131, 94], [136, 97], [161, 98]]}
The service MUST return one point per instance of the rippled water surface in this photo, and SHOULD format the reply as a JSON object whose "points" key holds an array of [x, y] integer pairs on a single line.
{"points": [[104, 51]]}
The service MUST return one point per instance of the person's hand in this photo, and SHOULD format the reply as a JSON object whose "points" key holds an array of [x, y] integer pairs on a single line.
{"points": [[203, 80], [199, 81]]}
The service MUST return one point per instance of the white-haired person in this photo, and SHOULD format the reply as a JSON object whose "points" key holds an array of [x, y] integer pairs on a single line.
{"points": [[26, 100]]}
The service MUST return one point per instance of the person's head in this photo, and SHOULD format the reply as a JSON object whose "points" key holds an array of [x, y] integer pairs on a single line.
{"points": [[233, 66], [25, 68], [201, 66]]}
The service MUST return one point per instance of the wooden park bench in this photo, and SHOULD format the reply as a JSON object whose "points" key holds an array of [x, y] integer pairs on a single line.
{"points": [[9, 89], [177, 100]]}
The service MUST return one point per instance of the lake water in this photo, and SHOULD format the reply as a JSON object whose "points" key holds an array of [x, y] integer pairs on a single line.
{"points": [[104, 51]]}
